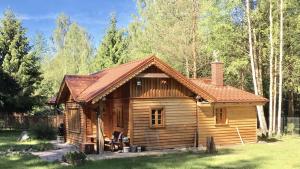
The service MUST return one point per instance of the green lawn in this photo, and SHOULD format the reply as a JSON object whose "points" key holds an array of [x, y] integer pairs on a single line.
{"points": [[282, 154], [8, 140]]}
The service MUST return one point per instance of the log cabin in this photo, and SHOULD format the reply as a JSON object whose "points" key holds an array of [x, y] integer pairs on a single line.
{"points": [[156, 107]]}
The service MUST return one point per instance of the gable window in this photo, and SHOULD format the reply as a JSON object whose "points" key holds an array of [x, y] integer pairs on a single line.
{"points": [[119, 118], [221, 116], [74, 119], [157, 116]]}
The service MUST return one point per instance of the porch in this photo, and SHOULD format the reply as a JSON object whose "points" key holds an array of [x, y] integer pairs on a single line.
{"points": [[108, 116]]}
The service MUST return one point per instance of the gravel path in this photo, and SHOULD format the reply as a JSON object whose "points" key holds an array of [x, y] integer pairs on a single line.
{"points": [[57, 153]]}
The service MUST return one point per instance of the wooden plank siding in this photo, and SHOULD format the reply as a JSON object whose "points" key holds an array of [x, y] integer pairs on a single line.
{"points": [[180, 123], [182, 117], [77, 137], [241, 117], [157, 87]]}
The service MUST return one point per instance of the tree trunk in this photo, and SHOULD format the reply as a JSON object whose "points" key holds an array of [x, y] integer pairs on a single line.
{"points": [[274, 95], [260, 112], [194, 37], [187, 67], [256, 64], [271, 72], [291, 109], [280, 70]]}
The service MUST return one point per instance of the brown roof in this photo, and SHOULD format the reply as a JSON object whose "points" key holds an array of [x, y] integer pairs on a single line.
{"points": [[108, 77], [225, 94], [90, 88]]}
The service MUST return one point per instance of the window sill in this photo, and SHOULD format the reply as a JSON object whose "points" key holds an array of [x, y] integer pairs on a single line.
{"points": [[162, 127]]}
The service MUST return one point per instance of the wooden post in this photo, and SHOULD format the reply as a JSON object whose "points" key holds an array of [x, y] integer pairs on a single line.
{"points": [[100, 135], [97, 132]]}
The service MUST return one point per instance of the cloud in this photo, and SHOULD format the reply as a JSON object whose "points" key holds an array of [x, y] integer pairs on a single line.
{"points": [[89, 18], [26, 17]]}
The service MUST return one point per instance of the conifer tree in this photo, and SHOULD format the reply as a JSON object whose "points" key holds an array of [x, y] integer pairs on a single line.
{"points": [[112, 47], [18, 62]]}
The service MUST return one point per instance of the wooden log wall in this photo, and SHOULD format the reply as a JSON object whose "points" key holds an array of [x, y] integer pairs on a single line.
{"points": [[180, 123], [157, 87], [78, 137], [91, 122], [241, 117]]}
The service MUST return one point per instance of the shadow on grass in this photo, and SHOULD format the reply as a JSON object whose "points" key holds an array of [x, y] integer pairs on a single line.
{"points": [[269, 140], [25, 162], [180, 160], [41, 146], [8, 140]]}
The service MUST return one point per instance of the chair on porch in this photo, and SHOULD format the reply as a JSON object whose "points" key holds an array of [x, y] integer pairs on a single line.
{"points": [[116, 141]]}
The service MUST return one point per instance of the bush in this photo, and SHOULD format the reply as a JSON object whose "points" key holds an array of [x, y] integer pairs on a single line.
{"points": [[42, 131], [74, 158]]}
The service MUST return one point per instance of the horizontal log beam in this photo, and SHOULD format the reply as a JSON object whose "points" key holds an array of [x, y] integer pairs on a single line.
{"points": [[153, 75]]}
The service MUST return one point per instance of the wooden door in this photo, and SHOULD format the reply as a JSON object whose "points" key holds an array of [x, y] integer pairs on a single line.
{"points": [[118, 118]]}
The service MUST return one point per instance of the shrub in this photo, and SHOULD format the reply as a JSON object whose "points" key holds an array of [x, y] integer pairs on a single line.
{"points": [[43, 131], [74, 158]]}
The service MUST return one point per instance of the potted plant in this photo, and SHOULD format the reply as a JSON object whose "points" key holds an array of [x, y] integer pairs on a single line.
{"points": [[61, 133]]}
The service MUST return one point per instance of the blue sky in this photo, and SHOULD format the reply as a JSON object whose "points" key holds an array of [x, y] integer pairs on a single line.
{"points": [[93, 15]]}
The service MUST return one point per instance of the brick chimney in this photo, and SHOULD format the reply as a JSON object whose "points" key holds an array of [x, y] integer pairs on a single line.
{"points": [[217, 71]]}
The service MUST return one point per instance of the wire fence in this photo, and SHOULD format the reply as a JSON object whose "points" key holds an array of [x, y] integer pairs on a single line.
{"points": [[23, 121], [291, 125]]}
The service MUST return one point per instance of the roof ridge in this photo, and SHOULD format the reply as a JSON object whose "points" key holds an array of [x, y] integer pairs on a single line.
{"points": [[123, 64], [79, 76]]}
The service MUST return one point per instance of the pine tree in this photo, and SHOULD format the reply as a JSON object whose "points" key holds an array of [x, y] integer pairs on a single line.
{"points": [[14, 45], [21, 64], [9, 88], [112, 47]]}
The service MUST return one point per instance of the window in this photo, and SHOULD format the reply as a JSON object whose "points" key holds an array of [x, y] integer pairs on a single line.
{"points": [[119, 117], [221, 116], [74, 119], [157, 117]]}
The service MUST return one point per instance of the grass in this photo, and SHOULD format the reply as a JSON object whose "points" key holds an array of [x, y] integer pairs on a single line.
{"points": [[282, 153], [8, 140]]}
